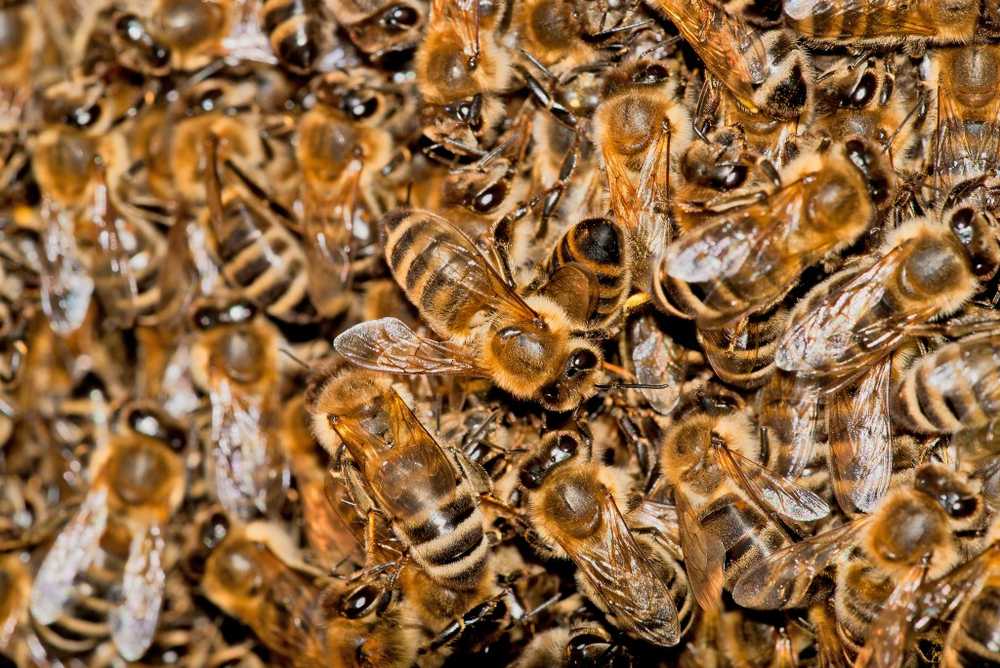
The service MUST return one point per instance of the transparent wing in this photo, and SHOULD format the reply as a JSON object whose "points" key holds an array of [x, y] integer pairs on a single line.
{"points": [[661, 517], [888, 21], [704, 556], [652, 225], [73, 552], [860, 436], [782, 579], [622, 576], [771, 490], [656, 361], [389, 345], [66, 284], [250, 473], [890, 634], [111, 266], [789, 408], [133, 621]]}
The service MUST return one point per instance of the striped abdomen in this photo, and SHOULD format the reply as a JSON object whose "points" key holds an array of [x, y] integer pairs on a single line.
{"points": [[598, 245], [439, 268], [747, 535], [879, 21], [743, 354], [861, 592], [265, 261], [974, 637], [295, 30], [956, 387]]}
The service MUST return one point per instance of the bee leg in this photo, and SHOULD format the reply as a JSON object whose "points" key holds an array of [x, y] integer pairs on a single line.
{"points": [[472, 471], [479, 614]]}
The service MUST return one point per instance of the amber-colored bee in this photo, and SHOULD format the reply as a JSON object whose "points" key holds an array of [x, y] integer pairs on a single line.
{"points": [[381, 28], [297, 31], [137, 485], [573, 507], [527, 346]]}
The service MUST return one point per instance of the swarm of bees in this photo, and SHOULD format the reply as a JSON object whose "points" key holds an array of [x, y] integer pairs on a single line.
{"points": [[390, 333]]}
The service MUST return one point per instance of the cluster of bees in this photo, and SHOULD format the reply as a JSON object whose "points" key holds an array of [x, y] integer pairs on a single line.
{"points": [[525, 332]]}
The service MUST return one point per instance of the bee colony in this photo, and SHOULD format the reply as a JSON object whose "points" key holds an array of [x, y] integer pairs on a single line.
{"points": [[515, 332]]}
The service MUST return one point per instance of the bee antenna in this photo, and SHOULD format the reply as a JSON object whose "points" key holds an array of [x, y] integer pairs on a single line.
{"points": [[619, 385], [292, 356]]}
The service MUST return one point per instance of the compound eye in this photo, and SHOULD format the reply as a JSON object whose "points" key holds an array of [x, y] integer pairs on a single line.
{"points": [[359, 108], [652, 74], [583, 360], [401, 17], [864, 91], [490, 198], [362, 602]]}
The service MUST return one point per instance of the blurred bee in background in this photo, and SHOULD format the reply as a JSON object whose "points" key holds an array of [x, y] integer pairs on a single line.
{"points": [[137, 483], [20, 49], [234, 359], [574, 507], [525, 346], [298, 32], [383, 30], [909, 538]]}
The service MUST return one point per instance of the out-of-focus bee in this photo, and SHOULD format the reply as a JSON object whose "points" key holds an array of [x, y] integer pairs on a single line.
{"points": [[527, 346], [234, 359], [859, 315], [640, 128], [20, 46], [746, 261], [196, 32], [259, 256], [766, 72], [574, 507], [911, 536], [725, 497], [952, 388], [884, 22], [297, 30], [397, 467], [380, 28], [137, 483], [15, 585]]}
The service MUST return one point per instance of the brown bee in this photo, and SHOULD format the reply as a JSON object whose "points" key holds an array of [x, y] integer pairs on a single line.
{"points": [[746, 261], [198, 31], [911, 536], [527, 346], [20, 47], [297, 31], [574, 507], [766, 72], [15, 586], [381, 28], [137, 485]]}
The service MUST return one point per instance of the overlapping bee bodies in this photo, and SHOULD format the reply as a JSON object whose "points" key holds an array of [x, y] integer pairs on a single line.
{"points": [[524, 332]]}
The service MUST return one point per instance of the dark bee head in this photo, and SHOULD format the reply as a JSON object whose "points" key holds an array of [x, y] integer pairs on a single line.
{"points": [[148, 55], [576, 380], [208, 532], [948, 489], [871, 165], [146, 419], [556, 448], [641, 73], [365, 600], [977, 232]]}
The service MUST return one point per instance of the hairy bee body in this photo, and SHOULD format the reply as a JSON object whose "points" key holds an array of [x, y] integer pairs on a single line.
{"points": [[743, 354], [972, 639], [295, 30], [881, 22], [600, 246]]}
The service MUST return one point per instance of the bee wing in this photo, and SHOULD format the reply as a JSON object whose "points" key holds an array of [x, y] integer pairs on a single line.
{"points": [[653, 190], [794, 434], [860, 436], [389, 345], [249, 473], [463, 16], [820, 341], [890, 633], [655, 359], [328, 230], [770, 490], [133, 621], [704, 556], [731, 50], [888, 21], [782, 579], [111, 265], [66, 284], [73, 551], [622, 576], [661, 517]]}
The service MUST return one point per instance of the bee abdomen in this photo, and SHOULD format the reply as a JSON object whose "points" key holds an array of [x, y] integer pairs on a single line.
{"points": [[976, 637], [745, 533], [295, 32], [449, 542], [743, 354], [599, 245]]}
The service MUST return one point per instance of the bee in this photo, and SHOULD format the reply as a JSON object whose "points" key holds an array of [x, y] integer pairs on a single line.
{"points": [[574, 507], [196, 32], [135, 46], [909, 537], [234, 359], [381, 29], [137, 483], [855, 98], [950, 389], [724, 497], [746, 261], [259, 256], [526, 346], [765, 72], [882, 23], [20, 48], [15, 586], [296, 30], [855, 318], [974, 587], [742, 354], [433, 504], [639, 128]]}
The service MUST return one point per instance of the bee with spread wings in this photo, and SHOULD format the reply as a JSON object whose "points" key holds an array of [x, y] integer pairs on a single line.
{"points": [[526, 346], [138, 483]]}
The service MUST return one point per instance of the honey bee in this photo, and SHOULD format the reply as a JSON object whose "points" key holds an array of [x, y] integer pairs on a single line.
{"points": [[15, 586], [526, 346], [296, 30], [381, 29], [22, 33], [911, 536], [639, 128], [746, 261], [574, 507], [724, 497], [259, 256], [886, 22], [950, 389], [196, 32], [855, 98], [138, 483], [234, 358], [859, 315], [766, 72], [974, 587], [742, 354], [396, 466]]}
